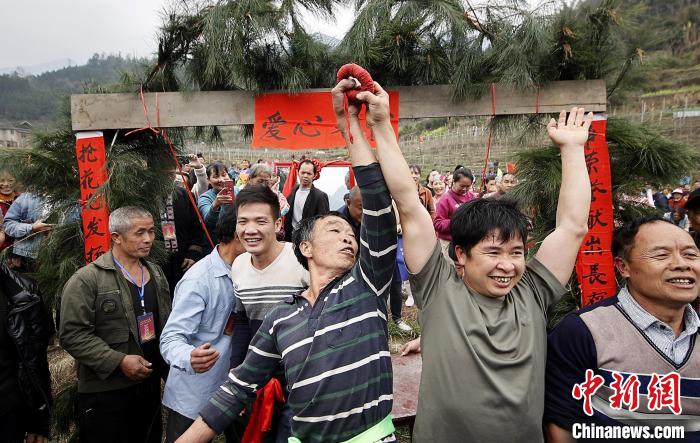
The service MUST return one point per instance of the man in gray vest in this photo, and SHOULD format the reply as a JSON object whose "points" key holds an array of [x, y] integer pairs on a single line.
{"points": [[631, 359]]}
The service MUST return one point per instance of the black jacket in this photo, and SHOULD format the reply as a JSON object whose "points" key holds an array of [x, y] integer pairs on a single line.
{"points": [[190, 238], [29, 328], [316, 204]]}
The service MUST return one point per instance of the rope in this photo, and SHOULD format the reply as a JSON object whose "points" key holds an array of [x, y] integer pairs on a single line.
{"points": [[490, 138], [164, 133], [145, 112]]}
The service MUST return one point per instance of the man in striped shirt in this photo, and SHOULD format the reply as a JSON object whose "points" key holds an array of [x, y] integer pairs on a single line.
{"points": [[331, 338]]}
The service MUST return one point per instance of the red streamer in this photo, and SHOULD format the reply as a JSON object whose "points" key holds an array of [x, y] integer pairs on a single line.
{"points": [[490, 138], [164, 133]]}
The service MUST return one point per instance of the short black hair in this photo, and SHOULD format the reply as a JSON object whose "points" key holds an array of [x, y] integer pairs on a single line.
{"points": [[303, 232], [226, 225], [623, 240], [475, 220], [217, 167], [451, 252], [462, 172], [309, 162], [258, 194], [416, 167], [693, 203]]}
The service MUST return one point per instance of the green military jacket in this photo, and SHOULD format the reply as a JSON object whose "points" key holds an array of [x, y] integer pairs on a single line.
{"points": [[98, 324]]}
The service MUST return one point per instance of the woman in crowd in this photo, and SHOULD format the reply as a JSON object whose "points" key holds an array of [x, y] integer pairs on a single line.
{"points": [[438, 189], [458, 194], [7, 196], [434, 175], [426, 197], [211, 202], [261, 174]]}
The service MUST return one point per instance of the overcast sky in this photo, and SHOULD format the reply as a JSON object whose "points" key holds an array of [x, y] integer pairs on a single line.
{"points": [[39, 31]]}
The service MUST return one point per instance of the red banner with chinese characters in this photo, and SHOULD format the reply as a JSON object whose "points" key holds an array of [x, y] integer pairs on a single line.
{"points": [[92, 170], [595, 269], [305, 121]]}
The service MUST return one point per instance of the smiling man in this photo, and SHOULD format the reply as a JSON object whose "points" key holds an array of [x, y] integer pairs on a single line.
{"points": [[648, 328], [332, 338], [484, 332], [266, 274]]}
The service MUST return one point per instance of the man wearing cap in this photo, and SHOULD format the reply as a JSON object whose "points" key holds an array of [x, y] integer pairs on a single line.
{"points": [[677, 199]]}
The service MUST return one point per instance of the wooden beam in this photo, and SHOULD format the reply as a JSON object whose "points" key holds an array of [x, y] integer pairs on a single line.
{"points": [[224, 108]]}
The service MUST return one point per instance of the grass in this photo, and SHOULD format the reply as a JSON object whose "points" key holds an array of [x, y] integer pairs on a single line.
{"points": [[684, 90]]}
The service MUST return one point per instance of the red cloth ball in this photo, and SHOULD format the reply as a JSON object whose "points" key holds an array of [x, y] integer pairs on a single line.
{"points": [[361, 74]]}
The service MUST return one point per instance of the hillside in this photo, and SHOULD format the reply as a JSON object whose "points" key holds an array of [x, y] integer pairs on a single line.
{"points": [[39, 98]]}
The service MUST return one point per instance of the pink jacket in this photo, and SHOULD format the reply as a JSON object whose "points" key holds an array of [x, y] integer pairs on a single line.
{"points": [[448, 204]]}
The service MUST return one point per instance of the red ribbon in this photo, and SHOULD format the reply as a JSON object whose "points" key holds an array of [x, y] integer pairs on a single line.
{"points": [[172, 152], [490, 138], [263, 409]]}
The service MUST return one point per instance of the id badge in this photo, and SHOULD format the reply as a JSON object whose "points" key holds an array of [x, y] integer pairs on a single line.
{"points": [[228, 329], [147, 328], [168, 231]]}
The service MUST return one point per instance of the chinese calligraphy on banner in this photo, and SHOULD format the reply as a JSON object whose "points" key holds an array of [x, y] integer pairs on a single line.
{"points": [[92, 170], [304, 121], [594, 266]]}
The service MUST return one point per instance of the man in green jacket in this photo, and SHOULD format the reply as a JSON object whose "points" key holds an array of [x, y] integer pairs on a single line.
{"points": [[112, 313]]}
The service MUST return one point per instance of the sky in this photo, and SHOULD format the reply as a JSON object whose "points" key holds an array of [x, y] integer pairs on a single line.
{"points": [[40, 31]]}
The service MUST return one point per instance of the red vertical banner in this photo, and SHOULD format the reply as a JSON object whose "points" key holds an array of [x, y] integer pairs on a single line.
{"points": [[92, 170], [595, 269]]}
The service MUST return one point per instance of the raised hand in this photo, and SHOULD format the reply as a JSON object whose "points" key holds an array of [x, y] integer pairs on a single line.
{"points": [[338, 94], [571, 132], [377, 105], [194, 161], [224, 197]]}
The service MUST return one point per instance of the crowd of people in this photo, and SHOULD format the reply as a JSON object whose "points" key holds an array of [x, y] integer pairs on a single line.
{"points": [[270, 320]]}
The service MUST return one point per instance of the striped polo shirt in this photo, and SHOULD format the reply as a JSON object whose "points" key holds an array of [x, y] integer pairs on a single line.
{"points": [[335, 353]]}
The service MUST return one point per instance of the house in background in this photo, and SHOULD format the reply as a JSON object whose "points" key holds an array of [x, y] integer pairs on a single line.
{"points": [[15, 136]]}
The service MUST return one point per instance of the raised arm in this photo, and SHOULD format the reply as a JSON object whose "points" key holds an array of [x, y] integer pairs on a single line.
{"points": [[360, 151], [558, 251], [417, 226], [377, 242]]}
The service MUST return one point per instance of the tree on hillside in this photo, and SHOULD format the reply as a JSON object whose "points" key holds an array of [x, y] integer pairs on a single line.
{"points": [[262, 45]]}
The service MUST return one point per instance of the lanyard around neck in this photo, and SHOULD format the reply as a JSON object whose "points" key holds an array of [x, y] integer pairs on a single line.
{"points": [[141, 289]]}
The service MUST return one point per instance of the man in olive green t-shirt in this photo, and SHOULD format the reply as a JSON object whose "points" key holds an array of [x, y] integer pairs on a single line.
{"points": [[484, 334]]}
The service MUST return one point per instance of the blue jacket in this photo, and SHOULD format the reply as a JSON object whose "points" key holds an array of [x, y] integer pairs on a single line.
{"points": [[25, 210], [204, 300]]}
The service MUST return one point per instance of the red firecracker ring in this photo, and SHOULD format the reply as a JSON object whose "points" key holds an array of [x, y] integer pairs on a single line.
{"points": [[359, 73]]}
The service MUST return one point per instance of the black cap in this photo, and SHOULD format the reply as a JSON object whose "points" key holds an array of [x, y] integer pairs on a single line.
{"points": [[693, 203]]}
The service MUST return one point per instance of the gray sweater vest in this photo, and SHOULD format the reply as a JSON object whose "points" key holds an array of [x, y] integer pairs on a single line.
{"points": [[621, 347]]}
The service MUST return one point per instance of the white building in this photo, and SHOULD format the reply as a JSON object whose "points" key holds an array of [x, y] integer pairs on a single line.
{"points": [[15, 136]]}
